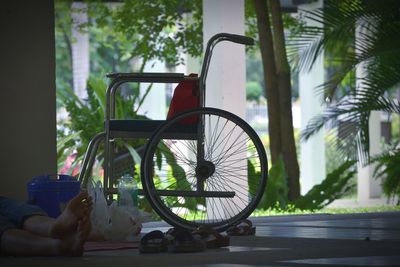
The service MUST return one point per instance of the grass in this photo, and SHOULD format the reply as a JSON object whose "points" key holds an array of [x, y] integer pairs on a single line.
{"points": [[293, 211], [190, 215], [361, 210]]}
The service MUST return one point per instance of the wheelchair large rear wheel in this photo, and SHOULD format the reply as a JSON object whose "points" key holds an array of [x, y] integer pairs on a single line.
{"points": [[204, 167]]}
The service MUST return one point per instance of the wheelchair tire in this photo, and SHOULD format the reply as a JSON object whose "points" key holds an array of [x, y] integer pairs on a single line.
{"points": [[221, 155]]}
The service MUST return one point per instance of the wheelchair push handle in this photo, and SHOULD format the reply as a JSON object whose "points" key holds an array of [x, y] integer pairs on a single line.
{"points": [[236, 38], [214, 40]]}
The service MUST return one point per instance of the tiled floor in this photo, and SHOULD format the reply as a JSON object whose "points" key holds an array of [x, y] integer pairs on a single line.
{"points": [[356, 229], [329, 233], [310, 240], [352, 261]]}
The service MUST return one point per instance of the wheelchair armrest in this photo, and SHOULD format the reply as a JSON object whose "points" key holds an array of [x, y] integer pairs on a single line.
{"points": [[150, 77], [146, 128]]}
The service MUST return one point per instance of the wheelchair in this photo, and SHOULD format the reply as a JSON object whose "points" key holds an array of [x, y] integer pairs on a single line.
{"points": [[202, 167]]}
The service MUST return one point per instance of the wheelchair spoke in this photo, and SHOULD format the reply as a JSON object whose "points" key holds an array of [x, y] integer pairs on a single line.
{"points": [[234, 161]]}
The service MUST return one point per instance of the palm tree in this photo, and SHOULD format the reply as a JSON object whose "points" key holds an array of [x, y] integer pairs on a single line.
{"points": [[363, 35]]}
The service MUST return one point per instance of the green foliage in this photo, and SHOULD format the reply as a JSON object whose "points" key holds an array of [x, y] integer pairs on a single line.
{"points": [[253, 91], [275, 194], [150, 30], [177, 180], [333, 161], [125, 35], [254, 69], [86, 119], [388, 169], [63, 22], [334, 186], [293, 25], [294, 211], [123, 38], [376, 49], [119, 35], [364, 35]]}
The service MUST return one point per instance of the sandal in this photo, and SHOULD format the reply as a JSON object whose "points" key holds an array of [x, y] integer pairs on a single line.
{"points": [[211, 237], [243, 228], [184, 241], [153, 242]]}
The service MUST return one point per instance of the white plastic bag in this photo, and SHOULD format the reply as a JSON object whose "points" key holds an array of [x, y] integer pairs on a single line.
{"points": [[113, 222], [123, 223], [99, 217]]}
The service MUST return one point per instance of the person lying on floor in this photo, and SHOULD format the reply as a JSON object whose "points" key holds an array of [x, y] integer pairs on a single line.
{"points": [[26, 230]]}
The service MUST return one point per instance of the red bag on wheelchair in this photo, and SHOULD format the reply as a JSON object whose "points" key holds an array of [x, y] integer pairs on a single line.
{"points": [[185, 97]]}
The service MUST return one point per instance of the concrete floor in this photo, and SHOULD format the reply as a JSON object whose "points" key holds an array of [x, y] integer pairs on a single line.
{"points": [[301, 240]]}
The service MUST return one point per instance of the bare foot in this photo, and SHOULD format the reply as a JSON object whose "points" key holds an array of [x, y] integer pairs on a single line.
{"points": [[73, 243], [78, 208]]}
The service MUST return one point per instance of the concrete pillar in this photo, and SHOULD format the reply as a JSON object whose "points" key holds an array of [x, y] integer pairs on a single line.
{"points": [[312, 152], [154, 105], [367, 186], [225, 85], [27, 94], [226, 80], [80, 50]]}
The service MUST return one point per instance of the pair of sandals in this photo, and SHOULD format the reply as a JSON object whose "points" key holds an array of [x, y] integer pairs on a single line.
{"points": [[243, 228], [181, 240]]}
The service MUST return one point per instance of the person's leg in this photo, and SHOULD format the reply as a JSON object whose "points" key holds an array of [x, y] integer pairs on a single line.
{"points": [[33, 219], [27, 230], [77, 208], [17, 242], [16, 212]]}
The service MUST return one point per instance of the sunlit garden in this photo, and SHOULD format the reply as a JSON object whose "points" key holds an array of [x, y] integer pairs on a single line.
{"points": [[361, 63]]}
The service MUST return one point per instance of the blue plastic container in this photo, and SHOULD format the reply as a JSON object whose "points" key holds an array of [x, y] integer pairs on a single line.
{"points": [[52, 192]]}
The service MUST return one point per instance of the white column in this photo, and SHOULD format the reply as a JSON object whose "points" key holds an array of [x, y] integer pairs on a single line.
{"points": [[226, 78], [154, 105], [225, 85], [312, 152], [367, 186], [80, 50]]}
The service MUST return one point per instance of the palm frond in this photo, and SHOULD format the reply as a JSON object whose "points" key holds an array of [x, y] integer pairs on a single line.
{"points": [[353, 117], [362, 37], [387, 168]]}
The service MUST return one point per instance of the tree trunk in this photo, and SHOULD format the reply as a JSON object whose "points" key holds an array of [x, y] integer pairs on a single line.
{"points": [[271, 82], [285, 100]]}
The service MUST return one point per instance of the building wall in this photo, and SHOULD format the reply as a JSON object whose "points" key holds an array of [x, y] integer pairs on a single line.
{"points": [[27, 94]]}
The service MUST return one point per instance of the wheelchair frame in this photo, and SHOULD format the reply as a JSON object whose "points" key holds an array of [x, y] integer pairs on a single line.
{"points": [[149, 128]]}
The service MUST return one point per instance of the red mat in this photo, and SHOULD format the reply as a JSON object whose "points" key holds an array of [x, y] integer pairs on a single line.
{"points": [[106, 245]]}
